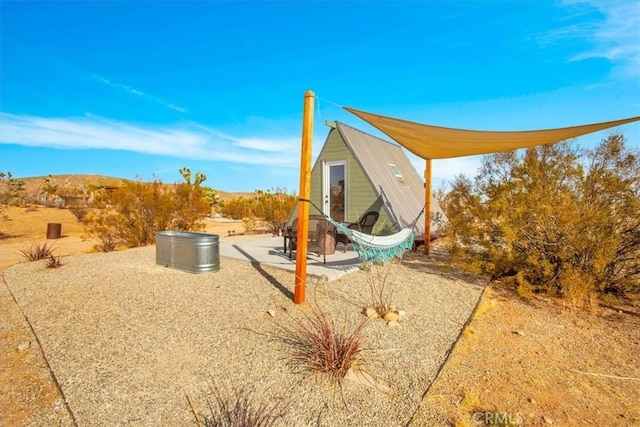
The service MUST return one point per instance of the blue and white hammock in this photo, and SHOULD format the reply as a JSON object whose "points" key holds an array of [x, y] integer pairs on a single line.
{"points": [[377, 248]]}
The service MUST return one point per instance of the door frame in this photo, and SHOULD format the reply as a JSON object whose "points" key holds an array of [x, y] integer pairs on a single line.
{"points": [[326, 186]]}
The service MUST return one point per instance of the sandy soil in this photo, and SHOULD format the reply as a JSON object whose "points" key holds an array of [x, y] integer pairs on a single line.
{"points": [[28, 392], [529, 362], [533, 362], [22, 226]]}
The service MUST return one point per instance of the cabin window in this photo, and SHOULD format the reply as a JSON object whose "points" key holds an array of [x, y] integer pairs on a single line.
{"points": [[395, 170], [398, 174]]}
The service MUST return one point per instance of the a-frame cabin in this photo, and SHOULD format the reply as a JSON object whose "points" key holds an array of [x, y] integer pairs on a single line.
{"points": [[356, 173]]}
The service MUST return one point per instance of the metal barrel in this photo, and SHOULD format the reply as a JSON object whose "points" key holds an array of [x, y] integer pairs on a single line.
{"points": [[54, 230]]}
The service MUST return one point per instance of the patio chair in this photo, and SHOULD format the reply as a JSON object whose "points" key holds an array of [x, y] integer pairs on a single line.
{"points": [[364, 225], [320, 236]]}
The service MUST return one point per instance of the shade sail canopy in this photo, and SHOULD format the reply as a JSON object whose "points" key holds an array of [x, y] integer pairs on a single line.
{"points": [[434, 142]]}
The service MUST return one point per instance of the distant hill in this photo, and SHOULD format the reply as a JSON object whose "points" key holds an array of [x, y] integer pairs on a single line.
{"points": [[34, 184]]}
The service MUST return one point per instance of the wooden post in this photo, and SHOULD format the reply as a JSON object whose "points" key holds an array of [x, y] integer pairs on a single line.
{"points": [[427, 209], [305, 193]]}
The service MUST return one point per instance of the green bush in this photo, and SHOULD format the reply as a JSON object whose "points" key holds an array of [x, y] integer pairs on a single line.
{"points": [[556, 219]]}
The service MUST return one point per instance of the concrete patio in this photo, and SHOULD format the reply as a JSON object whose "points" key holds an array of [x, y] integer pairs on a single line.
{"points": [[269, 250]]}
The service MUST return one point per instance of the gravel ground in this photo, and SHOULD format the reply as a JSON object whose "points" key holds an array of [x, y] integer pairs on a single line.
{"points": [[128, 340]]}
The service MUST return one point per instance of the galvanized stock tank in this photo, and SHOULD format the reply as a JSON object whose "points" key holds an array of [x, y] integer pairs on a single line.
{"points": [[188, 251]]}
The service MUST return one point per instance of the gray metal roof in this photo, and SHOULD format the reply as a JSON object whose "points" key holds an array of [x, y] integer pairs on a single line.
{"points": [[403, 196]]}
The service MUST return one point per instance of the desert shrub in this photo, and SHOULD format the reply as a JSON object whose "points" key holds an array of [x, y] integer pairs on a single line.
{"points": [[237, 208], [11, 190], [271, 207], [250, 222], [49, 187], [555, 219], [138, 210], [380, 280], [37, 251], [191, 203], [54, 261], [79, 213], [102, 225], [211, 195], [316, 345], [133, 213], [231, 407]]}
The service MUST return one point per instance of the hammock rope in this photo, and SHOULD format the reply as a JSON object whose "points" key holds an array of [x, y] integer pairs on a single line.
{"points": [[376, 248]]}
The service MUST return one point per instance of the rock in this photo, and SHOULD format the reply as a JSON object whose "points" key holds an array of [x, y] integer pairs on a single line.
{"points": [[547, 420], [402, 313], [532, 401], [24, 345], [358, 375], [393, 323], [371, 313], [271, 312], [391, 317], [517, 332]]}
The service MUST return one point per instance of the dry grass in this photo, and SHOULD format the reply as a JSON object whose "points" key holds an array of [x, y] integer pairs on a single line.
{"points": [[54, 261], [37, 251], [381, 281], [238, 408], [317, 345]]}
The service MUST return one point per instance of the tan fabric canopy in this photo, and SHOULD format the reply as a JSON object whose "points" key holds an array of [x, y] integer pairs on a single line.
{"points": [[434, 142]]}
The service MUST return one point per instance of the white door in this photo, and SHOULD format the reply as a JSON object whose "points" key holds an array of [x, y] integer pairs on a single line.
{"points": [[334, 190]]}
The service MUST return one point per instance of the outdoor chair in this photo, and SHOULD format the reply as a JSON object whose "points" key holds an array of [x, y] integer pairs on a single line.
{"points": [[364, 225], [320, 239]]}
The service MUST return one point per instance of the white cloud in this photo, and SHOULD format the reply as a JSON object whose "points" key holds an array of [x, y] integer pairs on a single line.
{"points": [[190, 140], [132, 90], [260, 144], [253, 143], [616, 37], [137, 92], [177, 108]]}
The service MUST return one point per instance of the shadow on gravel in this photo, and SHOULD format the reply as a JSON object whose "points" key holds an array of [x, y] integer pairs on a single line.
{"points": [[255, 264]]}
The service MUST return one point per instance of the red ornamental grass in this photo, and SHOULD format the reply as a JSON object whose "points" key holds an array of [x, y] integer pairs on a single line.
{"points": [[54, 261], [239, 409], [36, 251], [316, 346]]}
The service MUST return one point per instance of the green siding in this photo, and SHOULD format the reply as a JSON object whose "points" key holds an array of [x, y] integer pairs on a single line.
{"points": [[361, 197]]}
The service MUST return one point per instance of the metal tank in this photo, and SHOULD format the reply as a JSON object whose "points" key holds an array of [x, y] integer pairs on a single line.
{"points": [[188, 251]]}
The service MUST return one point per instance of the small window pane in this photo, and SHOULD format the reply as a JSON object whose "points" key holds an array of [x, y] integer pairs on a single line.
{"points": [[395, 170]]}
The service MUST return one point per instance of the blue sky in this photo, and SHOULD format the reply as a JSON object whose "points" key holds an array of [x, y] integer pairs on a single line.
{"points": [[144, 88]]}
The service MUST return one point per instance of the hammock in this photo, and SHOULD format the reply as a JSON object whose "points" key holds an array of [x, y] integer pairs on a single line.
{"points": [[376, 248]]}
